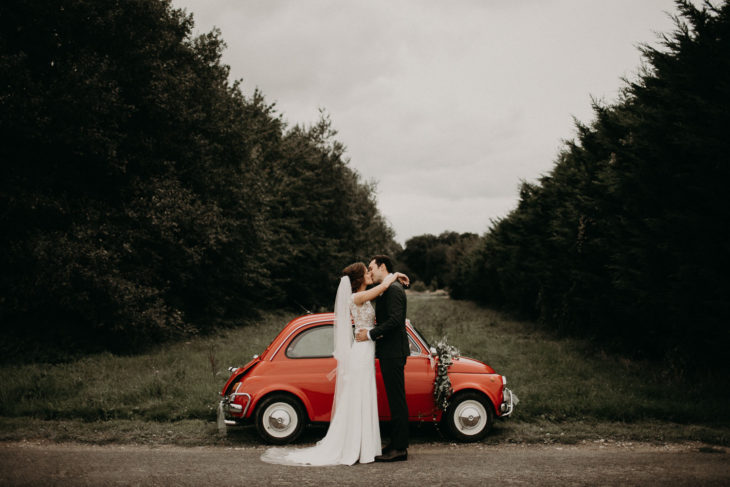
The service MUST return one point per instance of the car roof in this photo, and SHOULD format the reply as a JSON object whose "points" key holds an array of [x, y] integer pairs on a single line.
{"points": [[308, 319], [299, 323]]}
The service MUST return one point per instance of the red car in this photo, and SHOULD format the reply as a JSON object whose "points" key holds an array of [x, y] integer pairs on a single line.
{"points": [[292, 383]]}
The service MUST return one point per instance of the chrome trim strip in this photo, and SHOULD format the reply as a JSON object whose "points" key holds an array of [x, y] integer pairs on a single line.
{"points": [[418, 345], [294, 331], [417, 337]]}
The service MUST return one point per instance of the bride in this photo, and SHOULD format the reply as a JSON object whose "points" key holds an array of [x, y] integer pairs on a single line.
{"points": [[354, 432]]}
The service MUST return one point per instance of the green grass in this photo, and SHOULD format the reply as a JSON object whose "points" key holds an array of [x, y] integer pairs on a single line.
{"points": [[179, 381], [567, 379], [569, 391]]}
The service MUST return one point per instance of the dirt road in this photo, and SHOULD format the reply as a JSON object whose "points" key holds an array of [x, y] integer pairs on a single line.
{"points": [[596, 463]]}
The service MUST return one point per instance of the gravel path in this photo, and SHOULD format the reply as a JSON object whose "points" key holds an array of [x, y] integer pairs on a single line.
{"points": [[595, 463]]}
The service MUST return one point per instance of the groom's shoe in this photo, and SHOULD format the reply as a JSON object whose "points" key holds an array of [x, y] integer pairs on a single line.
{"points": [[393, 456], [387, 448]]}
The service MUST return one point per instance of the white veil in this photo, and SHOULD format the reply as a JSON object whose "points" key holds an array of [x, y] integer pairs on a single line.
{"points": [[353, 431], [342, 334]]}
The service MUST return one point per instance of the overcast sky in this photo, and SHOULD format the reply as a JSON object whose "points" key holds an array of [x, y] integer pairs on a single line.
{"points": [[447, 105]]}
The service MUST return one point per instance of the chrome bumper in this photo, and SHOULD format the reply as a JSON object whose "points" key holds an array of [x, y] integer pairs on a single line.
{"points": [[509, 401], [226, 406]]}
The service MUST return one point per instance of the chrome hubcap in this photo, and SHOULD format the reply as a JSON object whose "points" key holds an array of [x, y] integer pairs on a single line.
{"points": [[470, 417], [280, 419]]}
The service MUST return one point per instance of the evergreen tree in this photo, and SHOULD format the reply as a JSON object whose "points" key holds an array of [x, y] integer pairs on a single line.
{"points": [[624, 239], [143, 196], [433, 259]]}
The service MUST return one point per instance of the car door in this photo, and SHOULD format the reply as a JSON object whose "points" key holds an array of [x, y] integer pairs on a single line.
{"points": [[419, 376], [310, 365], [420, 372]]}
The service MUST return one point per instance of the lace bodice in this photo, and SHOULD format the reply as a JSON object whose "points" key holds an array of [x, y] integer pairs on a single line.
{"points": [[364, 315]]}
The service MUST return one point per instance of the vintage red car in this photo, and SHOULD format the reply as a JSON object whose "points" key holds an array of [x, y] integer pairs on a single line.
{"points": [[292, 383]]}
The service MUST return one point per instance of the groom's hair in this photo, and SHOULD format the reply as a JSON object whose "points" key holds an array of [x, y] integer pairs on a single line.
{"points": [[383, 259]]}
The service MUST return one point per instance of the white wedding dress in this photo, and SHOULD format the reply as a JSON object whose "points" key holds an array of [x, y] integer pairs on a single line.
{"points": [[354, 432]]}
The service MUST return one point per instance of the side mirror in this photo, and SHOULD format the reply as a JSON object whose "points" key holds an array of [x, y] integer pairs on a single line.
{"points": [[433, 351]]}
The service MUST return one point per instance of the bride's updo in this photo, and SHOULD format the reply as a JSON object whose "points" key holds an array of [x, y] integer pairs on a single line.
{"points": [[356, 273]]}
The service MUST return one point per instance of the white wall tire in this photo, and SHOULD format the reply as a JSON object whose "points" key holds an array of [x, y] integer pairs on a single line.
{"points": [[280, 419], [469, 417]]}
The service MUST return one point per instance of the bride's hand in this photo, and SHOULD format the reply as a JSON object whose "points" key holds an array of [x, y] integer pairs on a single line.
{"points": [[361, 335], [403, 279]]}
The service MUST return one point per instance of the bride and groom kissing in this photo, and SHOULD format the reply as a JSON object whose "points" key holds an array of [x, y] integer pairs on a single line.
{"points": [[354, 432]]}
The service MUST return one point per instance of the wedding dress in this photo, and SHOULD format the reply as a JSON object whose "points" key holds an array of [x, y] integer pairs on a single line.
{"points": [[354, 432]]}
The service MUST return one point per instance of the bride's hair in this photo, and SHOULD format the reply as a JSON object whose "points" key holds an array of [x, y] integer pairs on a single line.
{"points": [[356, 273]]}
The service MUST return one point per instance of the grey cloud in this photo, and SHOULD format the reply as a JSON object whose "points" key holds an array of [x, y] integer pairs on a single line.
{"points": [[454, 101]]}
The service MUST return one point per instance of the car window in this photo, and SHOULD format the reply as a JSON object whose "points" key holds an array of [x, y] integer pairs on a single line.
{"points": [[415, 349], [311, 343], [420, 336]]}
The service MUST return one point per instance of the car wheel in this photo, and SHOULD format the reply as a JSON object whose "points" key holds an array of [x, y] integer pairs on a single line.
{"points": [[280, 419], [469, 417]]}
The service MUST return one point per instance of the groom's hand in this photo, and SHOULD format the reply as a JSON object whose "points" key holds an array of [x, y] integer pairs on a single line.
{"points": [[361, 335]]}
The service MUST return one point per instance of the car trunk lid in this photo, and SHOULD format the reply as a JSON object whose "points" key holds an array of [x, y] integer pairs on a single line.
{"points": [[238, 373]]}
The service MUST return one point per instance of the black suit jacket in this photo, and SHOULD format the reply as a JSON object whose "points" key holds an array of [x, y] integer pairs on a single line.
{"points": [[391, 338]]}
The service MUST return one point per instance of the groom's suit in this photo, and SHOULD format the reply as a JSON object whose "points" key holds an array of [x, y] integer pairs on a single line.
{"points": [[391, 348]]}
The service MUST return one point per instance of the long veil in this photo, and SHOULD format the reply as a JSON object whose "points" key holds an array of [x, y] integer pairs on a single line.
{"points": [[353, 433], [342, 335]]}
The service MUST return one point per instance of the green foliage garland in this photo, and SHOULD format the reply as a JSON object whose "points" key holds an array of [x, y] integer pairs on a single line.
{"points": [[442, 389]]}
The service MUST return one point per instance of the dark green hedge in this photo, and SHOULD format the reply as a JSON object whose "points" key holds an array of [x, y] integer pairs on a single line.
{"points": [[625, 240], [144, 197]]}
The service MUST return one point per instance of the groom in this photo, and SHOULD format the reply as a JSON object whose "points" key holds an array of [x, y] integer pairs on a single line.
{"points": [[391, 347]]}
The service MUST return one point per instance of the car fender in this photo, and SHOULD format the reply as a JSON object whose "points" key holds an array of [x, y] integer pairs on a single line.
{"points": [[468, 384], [287, 388]]}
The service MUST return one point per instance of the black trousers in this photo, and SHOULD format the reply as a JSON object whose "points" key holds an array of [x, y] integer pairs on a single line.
{"points": [[391, 369]]}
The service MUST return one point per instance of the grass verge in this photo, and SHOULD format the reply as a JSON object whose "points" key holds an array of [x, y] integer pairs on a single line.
{"points": [[570, 392]]}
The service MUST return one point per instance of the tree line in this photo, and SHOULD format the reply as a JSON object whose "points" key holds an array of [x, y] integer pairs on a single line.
{"points": [[143, 196], [431, 261], [625, 239]]}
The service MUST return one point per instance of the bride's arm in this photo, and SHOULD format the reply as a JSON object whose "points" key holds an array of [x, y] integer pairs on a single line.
{"points": [[376, 291]]}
